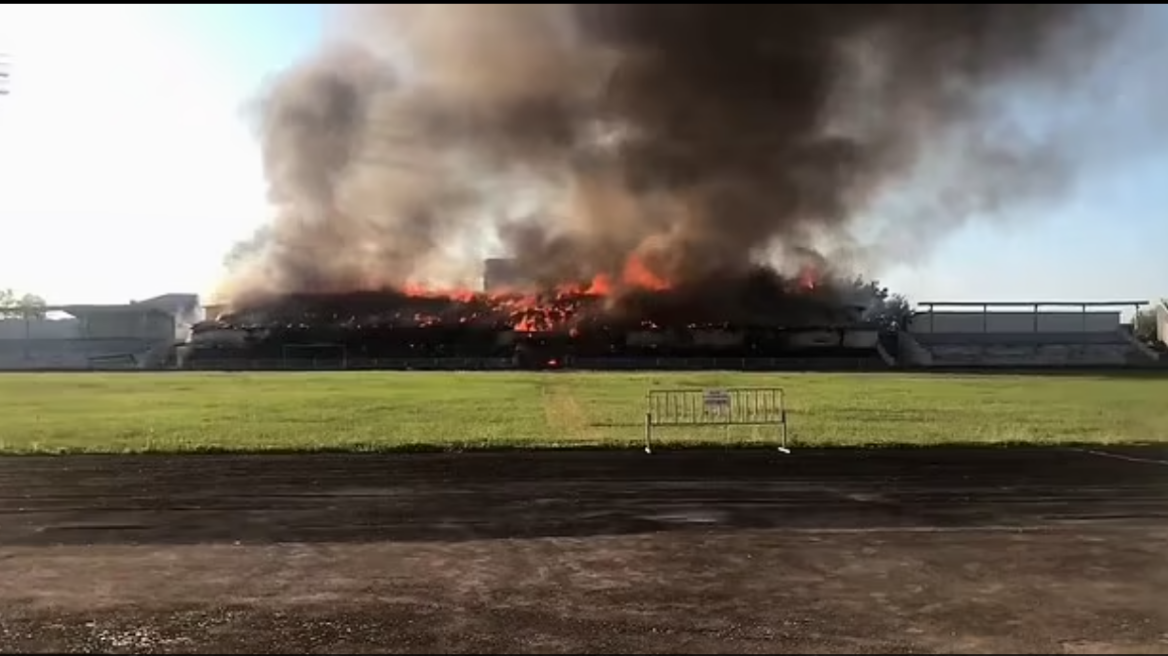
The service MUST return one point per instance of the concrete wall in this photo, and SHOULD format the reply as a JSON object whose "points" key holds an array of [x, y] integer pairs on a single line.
{"points": [[912, 352], [718, 338], [1052, 355], [1014, 322], [184, 320], [73, 353], [119, 324], [959, 339], [1095, 321], [213, 310], [13, 329], [814, 338], [501, 274], [861, 338], [646, 338], [218, 337], [97, 325]]}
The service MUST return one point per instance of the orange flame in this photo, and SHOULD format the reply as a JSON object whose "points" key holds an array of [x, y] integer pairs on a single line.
{"points": [[808, 278], [636, 274], [601, 286], [532, 313]]}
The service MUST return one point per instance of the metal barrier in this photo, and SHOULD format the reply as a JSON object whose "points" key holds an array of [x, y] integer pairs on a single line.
{"points": [[755, 406]]}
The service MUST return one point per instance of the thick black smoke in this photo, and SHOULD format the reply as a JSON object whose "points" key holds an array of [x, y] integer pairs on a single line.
{"points": [[703, 139]]}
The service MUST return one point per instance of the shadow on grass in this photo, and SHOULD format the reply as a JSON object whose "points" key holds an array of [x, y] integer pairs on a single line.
{"points": [[629, 447]]}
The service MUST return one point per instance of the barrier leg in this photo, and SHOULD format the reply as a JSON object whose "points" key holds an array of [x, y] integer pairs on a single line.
{"points": [[648, 432], [783, 433]]}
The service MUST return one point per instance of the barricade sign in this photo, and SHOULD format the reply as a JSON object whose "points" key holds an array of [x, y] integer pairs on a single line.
{"points": [[754, 406]]}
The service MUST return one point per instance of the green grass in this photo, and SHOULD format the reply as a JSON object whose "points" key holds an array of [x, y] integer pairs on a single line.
{"points": [[60, 413]]}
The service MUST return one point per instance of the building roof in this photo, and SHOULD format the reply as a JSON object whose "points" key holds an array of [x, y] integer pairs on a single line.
{"points": [[172, 302], [80, 310], [1028, 304]]}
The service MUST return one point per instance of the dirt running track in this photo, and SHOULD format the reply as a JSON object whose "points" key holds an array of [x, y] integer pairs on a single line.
{"points": [[818, 551]]}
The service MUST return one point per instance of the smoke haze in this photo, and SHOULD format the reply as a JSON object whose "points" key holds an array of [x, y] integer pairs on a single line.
{"points": [[700, 141]]}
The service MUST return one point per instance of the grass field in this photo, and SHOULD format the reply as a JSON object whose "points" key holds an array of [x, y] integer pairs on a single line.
{"points": [[59, 413]]}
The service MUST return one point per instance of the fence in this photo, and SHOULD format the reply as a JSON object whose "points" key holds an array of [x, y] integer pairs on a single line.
{"points": [[350, 363], [339, 360], [756, 406]]}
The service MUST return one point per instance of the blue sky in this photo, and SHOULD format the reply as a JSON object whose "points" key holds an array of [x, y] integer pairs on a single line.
{"points": [[126, 169]]}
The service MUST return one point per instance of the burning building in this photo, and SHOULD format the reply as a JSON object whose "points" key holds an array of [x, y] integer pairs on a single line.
{"points": [[653, 173], [762, 316]]}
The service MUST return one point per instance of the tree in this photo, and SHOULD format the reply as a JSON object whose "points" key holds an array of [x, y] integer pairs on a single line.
{"points": [[892, 313], [886, 310], [13, 305], [1144, 325]]}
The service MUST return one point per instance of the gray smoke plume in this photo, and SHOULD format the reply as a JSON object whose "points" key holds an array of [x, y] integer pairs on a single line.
{"points": [[702, 140]]}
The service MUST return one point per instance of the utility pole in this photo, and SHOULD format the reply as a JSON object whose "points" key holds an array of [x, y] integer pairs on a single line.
{"points": [[4, 75]]}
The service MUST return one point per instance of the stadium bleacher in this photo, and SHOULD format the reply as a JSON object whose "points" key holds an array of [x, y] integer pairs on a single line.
{"points": [[42, 354], [938, 339], [102, 337], [1022, 339], [1026, 352]]}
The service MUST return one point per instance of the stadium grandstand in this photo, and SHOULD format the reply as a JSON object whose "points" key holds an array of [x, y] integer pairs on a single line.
{"points": [[951, 335], [138, 335], [941, 336], [157, 332]]}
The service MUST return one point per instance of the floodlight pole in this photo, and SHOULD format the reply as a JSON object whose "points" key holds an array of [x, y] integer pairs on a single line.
{"points": [[5, 77]]}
